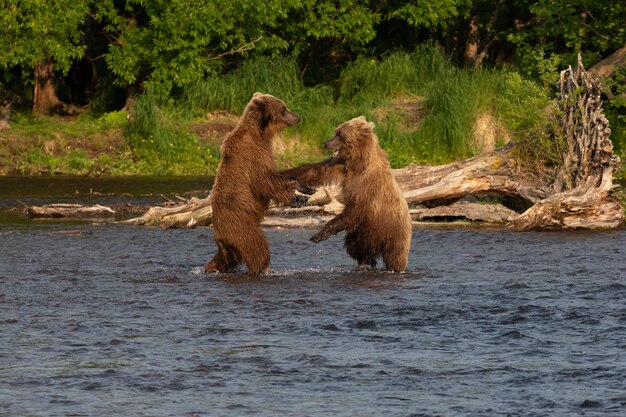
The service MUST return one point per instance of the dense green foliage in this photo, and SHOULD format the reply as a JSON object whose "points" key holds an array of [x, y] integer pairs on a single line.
{"points": [[560, 29], [413, 67], [31, 31], [390, 91]]}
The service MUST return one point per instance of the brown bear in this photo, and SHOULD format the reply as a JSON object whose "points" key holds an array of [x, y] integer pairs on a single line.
{"points": [[245, 182], [375, 215]]}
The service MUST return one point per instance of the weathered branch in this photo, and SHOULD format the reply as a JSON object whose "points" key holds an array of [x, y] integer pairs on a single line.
{"points": [[195, 213], [70, 210], [609, 65]]}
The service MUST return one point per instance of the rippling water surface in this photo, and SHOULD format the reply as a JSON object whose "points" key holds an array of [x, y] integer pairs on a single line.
{"points": [[109, 320]]}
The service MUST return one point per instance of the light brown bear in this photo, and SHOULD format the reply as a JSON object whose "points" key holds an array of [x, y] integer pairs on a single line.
{"points": [[245, 183], [375, 215]]}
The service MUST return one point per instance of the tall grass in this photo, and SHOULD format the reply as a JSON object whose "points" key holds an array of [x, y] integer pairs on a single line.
{"points": [[450, 98], [158, 137], [367, 80], [233, 90], [453, 99]]}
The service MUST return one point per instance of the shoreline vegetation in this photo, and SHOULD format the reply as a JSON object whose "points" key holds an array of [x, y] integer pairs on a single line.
{"points": [[426, 111], [559, 178]]}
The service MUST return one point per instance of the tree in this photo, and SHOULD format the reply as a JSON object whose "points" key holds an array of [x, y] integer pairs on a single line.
{"points": [[426, 14], [41, 35], [165, 45], [561, 29]]}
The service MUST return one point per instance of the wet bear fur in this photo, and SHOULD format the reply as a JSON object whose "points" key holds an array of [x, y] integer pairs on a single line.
{"points": [[375, 216], [245, 182]]}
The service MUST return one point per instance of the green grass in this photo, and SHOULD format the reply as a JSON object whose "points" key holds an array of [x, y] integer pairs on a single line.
{"points": [[24, 124], [49, 145], [450, 98], [424, 108], [163, 146], [106, 144]]}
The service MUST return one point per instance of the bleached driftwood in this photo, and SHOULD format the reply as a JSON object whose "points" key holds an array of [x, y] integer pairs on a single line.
{"points": [[423, 186], [70, 211], [581, 196], [479, 212], [196, 212]]}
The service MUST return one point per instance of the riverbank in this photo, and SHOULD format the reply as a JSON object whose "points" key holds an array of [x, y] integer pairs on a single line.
{"points": [[96, 145], [132, 196], [426, 111], [178, 139]]}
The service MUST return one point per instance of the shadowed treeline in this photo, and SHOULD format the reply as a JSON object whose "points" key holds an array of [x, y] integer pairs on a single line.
{"points": [[443, 80]]}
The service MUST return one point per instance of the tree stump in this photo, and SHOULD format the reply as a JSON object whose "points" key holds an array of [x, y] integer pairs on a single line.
{"points": [[582, 192]]}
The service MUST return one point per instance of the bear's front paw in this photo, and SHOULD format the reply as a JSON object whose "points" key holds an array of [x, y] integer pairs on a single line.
{"points": [[318, 237], [306, 190], [299, 201], [210, 268]]}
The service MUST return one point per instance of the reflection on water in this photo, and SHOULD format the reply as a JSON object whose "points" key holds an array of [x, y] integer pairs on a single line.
{"points": [[118, 320], [70, 186], [128, 196]]}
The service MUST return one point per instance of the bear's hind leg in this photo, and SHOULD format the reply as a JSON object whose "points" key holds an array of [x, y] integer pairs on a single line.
{"points": [[395, 258], [224, 260], [255, 252], [361, 252]]}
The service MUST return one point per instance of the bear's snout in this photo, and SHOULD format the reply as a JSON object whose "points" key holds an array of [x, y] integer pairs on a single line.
{"points": [[333, 143], [292, 118]]}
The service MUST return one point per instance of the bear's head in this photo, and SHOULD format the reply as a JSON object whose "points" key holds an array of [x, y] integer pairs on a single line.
{"points": [[270, 114], [353, 140]]}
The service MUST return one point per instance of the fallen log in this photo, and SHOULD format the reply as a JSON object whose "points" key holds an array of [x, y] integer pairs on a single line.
{"points": [[69, 211], [476, 212], [423, 186], [577, 194]]}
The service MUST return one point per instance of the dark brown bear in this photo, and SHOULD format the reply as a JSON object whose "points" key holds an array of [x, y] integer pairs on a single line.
{"points": [[245, 183], [375, 215]]}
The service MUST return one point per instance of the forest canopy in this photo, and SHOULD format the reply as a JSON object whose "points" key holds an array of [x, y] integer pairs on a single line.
{"points": [[458, 61], [100, 52]]}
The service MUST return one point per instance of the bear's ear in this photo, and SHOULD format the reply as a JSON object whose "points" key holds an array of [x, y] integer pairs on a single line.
{"points": [[264, 114], [257, 94], [362, 119]]}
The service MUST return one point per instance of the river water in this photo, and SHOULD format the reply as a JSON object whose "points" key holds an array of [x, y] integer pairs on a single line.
{"points": [[112, 320]]}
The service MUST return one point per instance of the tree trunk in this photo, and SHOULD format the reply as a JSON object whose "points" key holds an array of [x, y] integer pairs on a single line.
{"points": [[45, 98], [473, 55], [609, 65], [5, 114]]}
